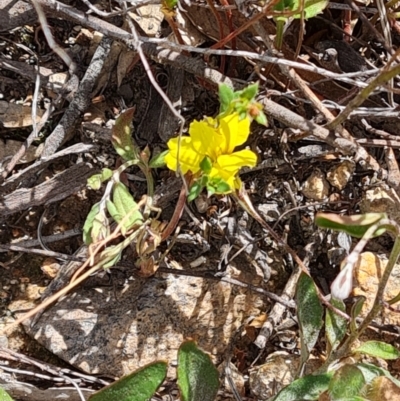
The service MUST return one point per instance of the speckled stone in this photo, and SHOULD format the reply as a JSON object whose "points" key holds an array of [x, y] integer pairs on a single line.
{"points": [[100, 334], [367, 273], [316, 186], [381, 200]]}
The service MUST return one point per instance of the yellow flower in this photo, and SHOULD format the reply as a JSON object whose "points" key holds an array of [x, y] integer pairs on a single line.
{"points": [[216, 139]]}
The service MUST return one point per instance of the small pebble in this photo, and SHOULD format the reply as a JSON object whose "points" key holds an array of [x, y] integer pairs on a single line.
{"points": [[316, 186]]}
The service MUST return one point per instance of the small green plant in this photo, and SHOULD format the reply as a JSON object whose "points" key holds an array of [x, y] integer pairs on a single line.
{"points": [[339, 379], [197, 379]]}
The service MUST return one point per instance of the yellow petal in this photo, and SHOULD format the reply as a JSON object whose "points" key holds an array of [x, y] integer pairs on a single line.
{"points": [[228, 176], [234, 132], [205, 138], [189, 159], [237, 160], [238, 183]]}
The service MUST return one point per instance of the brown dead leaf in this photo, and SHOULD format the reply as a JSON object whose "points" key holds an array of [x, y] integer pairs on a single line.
{"points": [[124, 62], [252, 328], [109, 66], [148, 267], [190, 35], [96, 113], [259, 321]]}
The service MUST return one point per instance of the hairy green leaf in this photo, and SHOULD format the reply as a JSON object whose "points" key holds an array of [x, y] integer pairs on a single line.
{"points": [[309, 313], [356, 225], [138, 386], [226, 95], [197, 376], [347, 382], [335, 325], [307, 388], [124, 208], [378, 349], [250, 92]]}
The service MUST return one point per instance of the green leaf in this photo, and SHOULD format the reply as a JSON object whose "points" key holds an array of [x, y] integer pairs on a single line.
{"points": [[309, 313], [250, 92], [123, 207], [222, 187], [261, 118], [106, 174], [226, 95], [335, 325], [206, 165], [121, 137], [138, 386], [347, 382], [311, 8], [158, 160], [197, 376], [378, 349], [356, 225], [242, 114], [307, 388], [194, 191], [4, 396], [94, 182], [112, 209], [100, 228], [87, 227], [96, 225], [210, 191]]}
